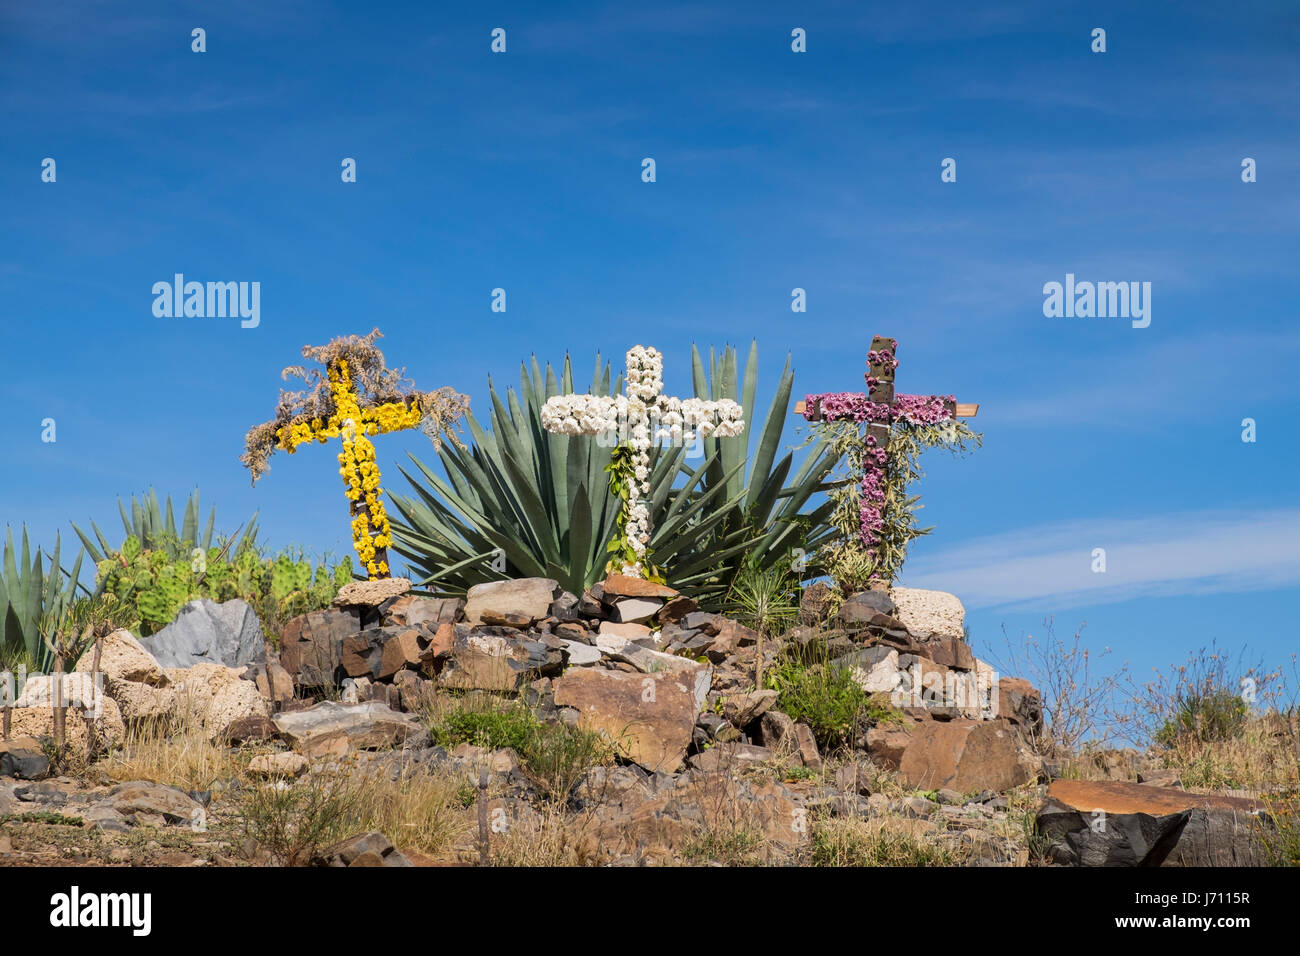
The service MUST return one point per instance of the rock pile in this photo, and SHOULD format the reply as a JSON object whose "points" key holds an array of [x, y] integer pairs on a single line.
{"points": [[667, 681]]}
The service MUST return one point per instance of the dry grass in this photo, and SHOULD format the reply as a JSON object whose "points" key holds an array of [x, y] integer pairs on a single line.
{"points": [[1262, 758], [176, 753], [418, 811], [551, 838], [880, 841]]}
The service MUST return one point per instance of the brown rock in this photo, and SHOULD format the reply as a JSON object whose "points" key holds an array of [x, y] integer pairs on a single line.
{"points": [[362, 654], [629, 631], [675, 610], [399, 652], [741, 709], [948, 651], [1114, 796], [887, 745], [326, 726], [282, 764], [620, 585], [253, 729], [650, 718], [637, 609], [410, 610], [1116, 823], [441, 644], [963, 755], [274, 682], [525, 596], [737, 634], [813, 603], [808, 752], [573, 632], [311, 645], [1021, 703], [776, 731]]}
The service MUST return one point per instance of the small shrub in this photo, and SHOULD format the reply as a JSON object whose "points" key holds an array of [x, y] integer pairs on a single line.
{"points": [[419, 811], [1281, 839], [178, 753], [490, 727], [827, 699], [295, 821], [554, 756], [1204, 715], [765, 599]]}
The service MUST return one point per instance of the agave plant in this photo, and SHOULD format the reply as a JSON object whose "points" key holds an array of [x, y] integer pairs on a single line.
{"points": [[767, 505], [155, 529], [523, 501], [526, 502], [29, 594]]}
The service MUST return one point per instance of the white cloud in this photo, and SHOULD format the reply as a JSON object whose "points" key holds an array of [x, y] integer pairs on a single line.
{"points": [[1179, 554]]}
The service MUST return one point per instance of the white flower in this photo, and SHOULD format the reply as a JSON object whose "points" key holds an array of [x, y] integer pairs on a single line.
{"points": [[639, 418]]}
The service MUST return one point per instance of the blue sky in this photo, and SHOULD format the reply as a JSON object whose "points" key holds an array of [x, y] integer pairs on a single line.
{"points": [[775, 170]]}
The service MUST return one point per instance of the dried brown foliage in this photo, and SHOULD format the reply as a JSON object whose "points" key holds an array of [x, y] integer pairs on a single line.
{"points": [[375, 383]]}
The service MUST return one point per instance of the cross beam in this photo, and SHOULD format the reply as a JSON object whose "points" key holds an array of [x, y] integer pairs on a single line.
{"points": [[964, 409], [879, 408], [636, 421]]}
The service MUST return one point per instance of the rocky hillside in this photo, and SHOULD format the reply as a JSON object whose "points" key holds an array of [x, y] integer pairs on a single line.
{"points": [[526, 724]]}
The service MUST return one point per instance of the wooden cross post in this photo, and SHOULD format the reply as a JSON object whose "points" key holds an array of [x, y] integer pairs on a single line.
{"points": [[635, 421], [879, 408]]}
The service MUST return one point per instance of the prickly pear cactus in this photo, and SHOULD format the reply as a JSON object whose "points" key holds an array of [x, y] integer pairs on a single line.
{"points": [[156, 586]]}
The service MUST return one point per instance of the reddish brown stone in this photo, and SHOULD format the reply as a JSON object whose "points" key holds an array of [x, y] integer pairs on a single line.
{"points": [[412, 609], [948, 651], [399, 652], [620, 585], [675, 610], [650, 717], [964, 755], [1115, 796]]}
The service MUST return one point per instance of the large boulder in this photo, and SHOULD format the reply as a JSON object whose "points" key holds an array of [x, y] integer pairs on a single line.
{"points": [[698, 676], [205, 632], [929, 612], [965, 755], [525, 597], [123, 657], [216, 696], [650, 718], [140, 801], [92, 722], [332, 728], [1116, 823]]}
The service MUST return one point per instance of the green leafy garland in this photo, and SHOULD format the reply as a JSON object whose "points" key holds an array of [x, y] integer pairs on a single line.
{"points": [[622, 472], [846, 559]]}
